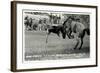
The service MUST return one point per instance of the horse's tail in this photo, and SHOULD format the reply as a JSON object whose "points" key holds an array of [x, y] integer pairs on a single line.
{"points": [[87, 30]]}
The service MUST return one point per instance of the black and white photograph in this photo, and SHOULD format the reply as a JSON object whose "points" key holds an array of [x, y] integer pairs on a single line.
{"points": [[51, 35]]}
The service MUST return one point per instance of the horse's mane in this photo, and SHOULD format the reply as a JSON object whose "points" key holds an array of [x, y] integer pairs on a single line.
{"points": [[66, 20]]}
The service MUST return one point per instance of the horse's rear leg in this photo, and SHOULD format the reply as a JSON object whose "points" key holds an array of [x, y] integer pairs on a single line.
{"points": [[81, 37], [81, 44], [78, 41]]}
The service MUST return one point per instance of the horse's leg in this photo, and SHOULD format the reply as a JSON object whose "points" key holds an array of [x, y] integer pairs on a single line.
{"points": [[81, 36], [68, 35], [48, 33], [78, 41], [81, 43], [58, 33], [30, 26]]}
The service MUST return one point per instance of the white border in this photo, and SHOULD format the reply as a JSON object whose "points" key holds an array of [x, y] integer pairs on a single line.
{"points": [[55, 63]]}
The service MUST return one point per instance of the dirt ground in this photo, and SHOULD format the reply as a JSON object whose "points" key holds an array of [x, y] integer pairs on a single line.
{"points": [[36, 47]]}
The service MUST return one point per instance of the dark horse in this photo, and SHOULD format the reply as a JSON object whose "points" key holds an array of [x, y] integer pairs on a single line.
{"points": [[57, 30], [78, 29]]}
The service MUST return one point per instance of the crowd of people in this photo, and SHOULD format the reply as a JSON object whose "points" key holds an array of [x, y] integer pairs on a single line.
{"points": [[44, 22]]}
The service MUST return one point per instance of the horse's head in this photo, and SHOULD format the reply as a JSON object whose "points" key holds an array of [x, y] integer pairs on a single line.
{"points": [[66, 27]]}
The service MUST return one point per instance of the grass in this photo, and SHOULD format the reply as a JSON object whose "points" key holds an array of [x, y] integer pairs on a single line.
{"points": [[36, 47]]}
